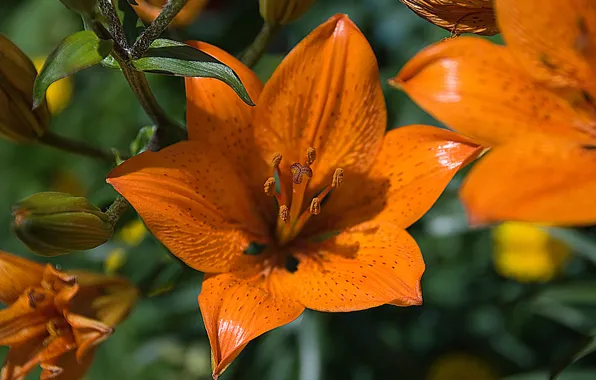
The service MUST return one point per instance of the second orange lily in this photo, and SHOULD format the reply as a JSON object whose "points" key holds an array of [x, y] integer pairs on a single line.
{"points": [[532, 101], [309, 175]]}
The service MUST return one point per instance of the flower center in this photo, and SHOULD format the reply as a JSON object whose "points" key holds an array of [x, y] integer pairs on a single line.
{"points": [[292, 216]]}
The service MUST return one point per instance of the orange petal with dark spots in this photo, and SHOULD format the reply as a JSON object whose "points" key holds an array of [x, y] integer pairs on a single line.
{"points": [[26, 318], [546, 181], [238, 309], [555, 41], [364, 267], [320, 96], [479, 89], [413, 168], [193, 202], [16, 275]]}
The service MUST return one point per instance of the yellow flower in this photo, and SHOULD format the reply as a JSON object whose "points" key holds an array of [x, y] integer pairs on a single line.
{"points": [[460, 366], [59, 93], [527, 253], [133, 233]]}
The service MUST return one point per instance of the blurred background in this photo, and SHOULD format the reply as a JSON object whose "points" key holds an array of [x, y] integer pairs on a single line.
{"points": [[513, 302]]}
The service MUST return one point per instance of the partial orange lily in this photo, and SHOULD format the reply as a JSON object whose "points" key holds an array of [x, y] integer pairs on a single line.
{"points": [[148, 10], [56, 319], [308, 176], [531, 100]]}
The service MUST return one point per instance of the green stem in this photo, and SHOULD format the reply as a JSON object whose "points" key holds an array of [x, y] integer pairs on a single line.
{"points": [[258, 47], [77, 147], [117, 209], [157, 27]]}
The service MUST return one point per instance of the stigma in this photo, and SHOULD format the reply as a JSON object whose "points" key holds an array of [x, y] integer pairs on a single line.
{"points": [[289, 190]]}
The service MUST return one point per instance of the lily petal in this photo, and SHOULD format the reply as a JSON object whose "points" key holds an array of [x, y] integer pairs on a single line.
{"points": [[192, 201], [413, 168], [66, 367], [561, 56], [16, 275], [477, 88], [26, 318], [148, 11], [361, 268], [321, 97], [18, 356], [543, 181], [237, 309]]}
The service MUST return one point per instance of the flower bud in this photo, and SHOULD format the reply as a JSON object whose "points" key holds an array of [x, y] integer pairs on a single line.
{"points": [[18, 123], [457, 16], [280, 12], [80, 6], [52, 224]]}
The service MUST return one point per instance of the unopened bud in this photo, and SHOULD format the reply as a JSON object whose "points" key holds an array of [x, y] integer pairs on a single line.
{"points": [[18, 123], [84, 7], [280, 12], [52, 224]]}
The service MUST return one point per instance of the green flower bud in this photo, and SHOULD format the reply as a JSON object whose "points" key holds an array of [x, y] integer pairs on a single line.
{"points": [[52, 224], [280, 12], [80, 6], [18, 123]]}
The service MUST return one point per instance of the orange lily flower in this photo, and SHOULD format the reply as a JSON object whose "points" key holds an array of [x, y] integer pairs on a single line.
{"points": [[56, 319], [310, 159], [531, 100], [148, 10]]}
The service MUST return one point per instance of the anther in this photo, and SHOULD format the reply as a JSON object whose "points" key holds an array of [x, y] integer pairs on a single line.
{"points": [[34, 298], [338, 177], [315, 206], [284, 213], [311, 156], [269, 187], [276, 160], [298, 171]]}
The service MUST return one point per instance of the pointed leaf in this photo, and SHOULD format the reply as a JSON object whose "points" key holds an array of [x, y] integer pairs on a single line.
{"points": [[585, 347], [178, 59], [139, 144], [73, 54]]}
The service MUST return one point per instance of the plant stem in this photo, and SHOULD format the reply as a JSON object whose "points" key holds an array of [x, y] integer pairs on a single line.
{"points": [[256, 50], [117, 209], [157, 27], [136, 79], [77, 147]]}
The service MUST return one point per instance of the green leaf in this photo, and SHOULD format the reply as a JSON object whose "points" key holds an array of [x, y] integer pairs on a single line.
{"points": [[139, 144], [129, 20], [585, 347], [576, 293], [582, 244], [178, 59], [73, 54], [110, 63]]}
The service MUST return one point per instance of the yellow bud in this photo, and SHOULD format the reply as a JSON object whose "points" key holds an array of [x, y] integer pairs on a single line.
{"points": [[18, 123], [52, 224], [59, 93], [457, 16], [280, 12]]}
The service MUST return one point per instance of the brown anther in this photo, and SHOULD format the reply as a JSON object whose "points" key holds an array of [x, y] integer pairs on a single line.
{"points": [[269, 186], [338, 177], [311, 156], [276, 160], [284, 213], [34, 298], [298, 171], [315, 206]]}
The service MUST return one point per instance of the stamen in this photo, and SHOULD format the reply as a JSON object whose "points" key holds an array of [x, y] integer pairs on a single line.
{"points": [[338, 177], [269, 186], [311, 156], [315, 206], [276, 160], [284, 213]]}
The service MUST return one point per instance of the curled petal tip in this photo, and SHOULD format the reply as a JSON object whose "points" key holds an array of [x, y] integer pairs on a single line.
{"points": [[396, 83]]}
